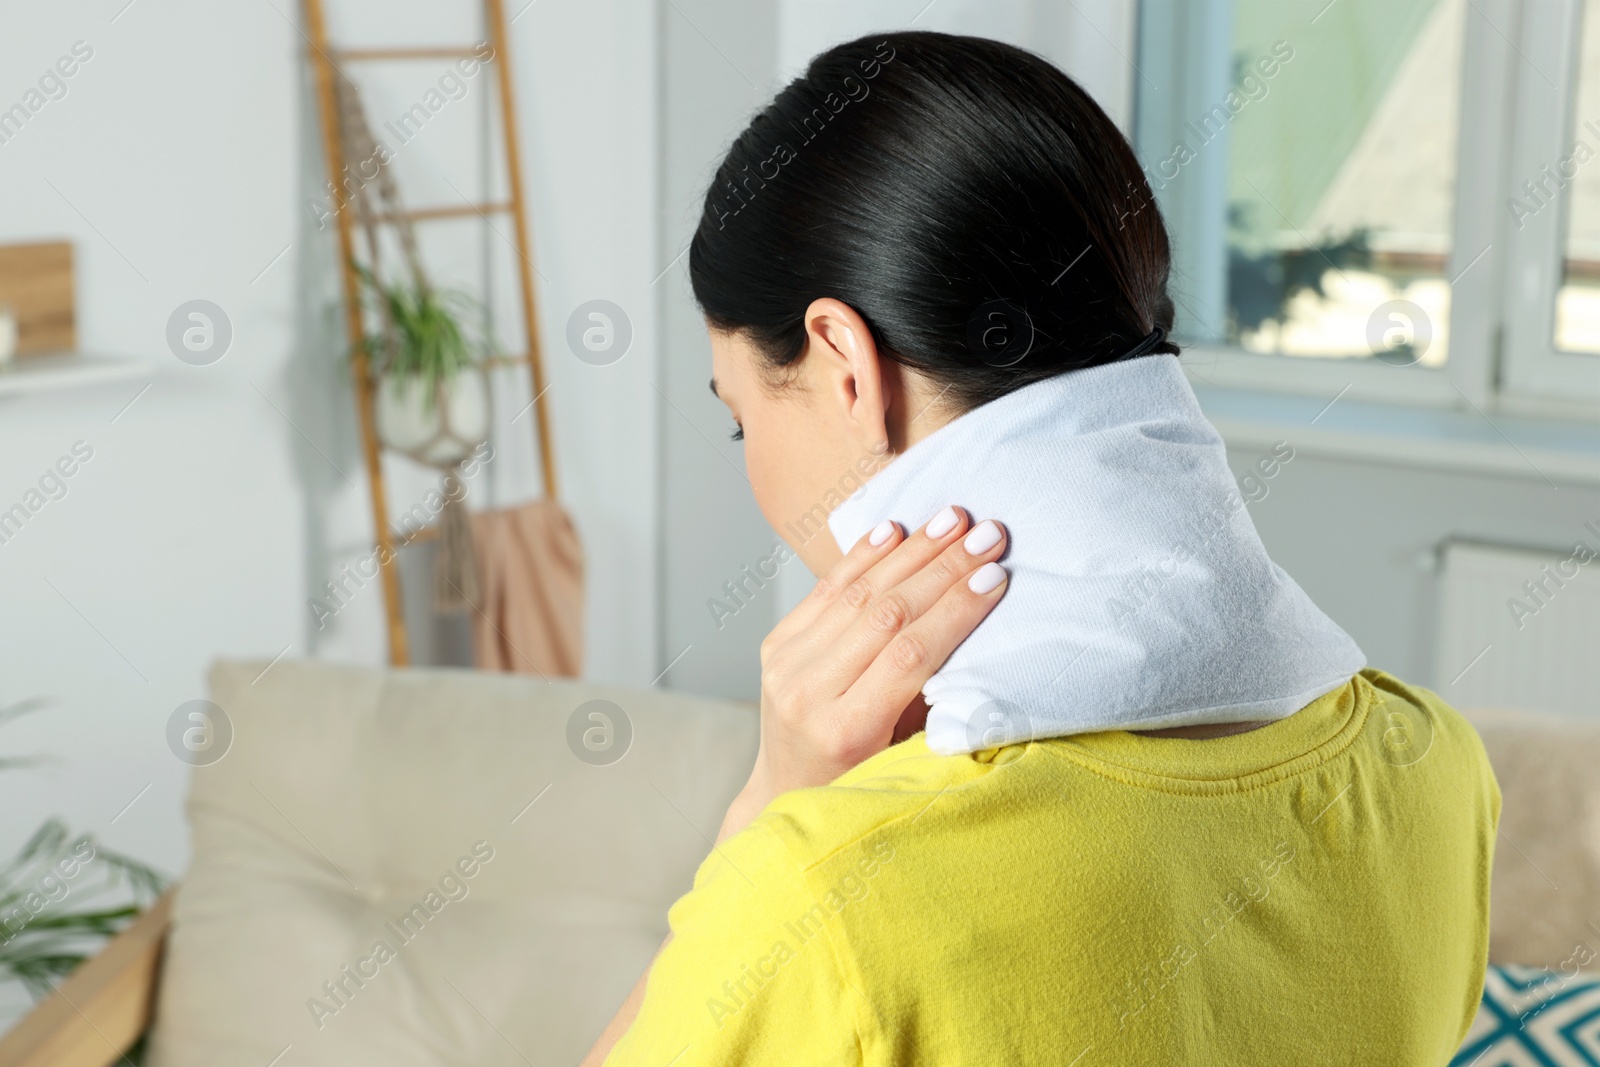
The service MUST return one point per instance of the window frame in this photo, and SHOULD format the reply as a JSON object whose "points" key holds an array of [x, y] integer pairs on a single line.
{"points": [[1550, 53], [1496, 360]]}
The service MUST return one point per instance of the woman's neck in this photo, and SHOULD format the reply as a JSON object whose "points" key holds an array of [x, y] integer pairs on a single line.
{"points": [[1204, 731]]}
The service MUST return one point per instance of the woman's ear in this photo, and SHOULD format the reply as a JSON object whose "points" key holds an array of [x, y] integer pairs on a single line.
{"points": [[845, 371]]}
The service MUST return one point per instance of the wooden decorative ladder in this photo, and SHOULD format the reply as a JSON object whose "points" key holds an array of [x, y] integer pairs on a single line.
{"points": [[326, 63]]}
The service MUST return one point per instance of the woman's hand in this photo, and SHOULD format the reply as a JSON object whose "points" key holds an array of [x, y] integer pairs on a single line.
{"points": [[839, 671]]}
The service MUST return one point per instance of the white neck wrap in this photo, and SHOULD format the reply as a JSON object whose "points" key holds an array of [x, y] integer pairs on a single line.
{"points": [[1140, 597]]}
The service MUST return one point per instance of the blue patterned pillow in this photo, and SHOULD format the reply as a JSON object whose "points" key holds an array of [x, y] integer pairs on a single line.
{"points": [[1533, 1017]]}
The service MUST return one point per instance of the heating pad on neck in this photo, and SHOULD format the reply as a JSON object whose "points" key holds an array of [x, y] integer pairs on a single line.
{"points": [[1140, 596]]}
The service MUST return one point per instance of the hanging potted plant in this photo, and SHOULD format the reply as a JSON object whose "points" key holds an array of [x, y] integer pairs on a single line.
{"points": [[431, 396]]}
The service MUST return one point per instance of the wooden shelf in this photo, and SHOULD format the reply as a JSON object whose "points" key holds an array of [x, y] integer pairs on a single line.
{"points": [[66, 370]]}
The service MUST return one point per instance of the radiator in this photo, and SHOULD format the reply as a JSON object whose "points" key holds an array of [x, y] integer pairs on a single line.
{"points": [[1520, 627]]}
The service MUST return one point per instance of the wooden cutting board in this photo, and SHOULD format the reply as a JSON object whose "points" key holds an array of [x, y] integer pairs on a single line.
{"points": [[36, 282]]}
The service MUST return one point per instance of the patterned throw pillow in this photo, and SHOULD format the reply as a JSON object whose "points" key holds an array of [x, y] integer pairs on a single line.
{"points": [[1530, 1016]]}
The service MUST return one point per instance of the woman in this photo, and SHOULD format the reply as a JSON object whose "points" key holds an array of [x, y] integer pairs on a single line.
{"points": [[1159, 813]]}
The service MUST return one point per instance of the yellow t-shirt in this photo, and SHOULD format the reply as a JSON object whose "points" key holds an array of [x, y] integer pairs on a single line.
{"points": [[1315, 891]]}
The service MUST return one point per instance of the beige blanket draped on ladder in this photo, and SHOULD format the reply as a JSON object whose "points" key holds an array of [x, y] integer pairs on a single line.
{"points": [[530, 591]]}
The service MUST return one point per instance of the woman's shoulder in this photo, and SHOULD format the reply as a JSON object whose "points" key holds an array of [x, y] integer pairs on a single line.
{"points": [[1414, 719], [1416, 727], [891, 792]]}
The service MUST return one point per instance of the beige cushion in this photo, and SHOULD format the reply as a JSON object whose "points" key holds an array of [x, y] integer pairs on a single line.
{"points": [[1545, 892], [349, 794]]}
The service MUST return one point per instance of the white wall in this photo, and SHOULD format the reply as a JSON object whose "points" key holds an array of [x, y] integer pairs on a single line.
{"points": [[718, 66], [179, 164], [1087, 39], [170, 165]]}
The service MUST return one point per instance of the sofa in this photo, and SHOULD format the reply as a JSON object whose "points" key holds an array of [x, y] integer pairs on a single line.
{"points": [[450, 867]]}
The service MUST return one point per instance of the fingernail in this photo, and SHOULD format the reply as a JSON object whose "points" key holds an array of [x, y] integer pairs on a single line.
{"points": [[880, 533], [986, 578], [983, 537], [943, 523]]}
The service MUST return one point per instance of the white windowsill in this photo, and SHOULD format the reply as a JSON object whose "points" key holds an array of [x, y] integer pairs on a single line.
{"points": [[1354, 378], [1499, 444]]}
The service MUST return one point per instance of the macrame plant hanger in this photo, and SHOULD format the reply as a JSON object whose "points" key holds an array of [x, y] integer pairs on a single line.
{"points": [[455, 567]]}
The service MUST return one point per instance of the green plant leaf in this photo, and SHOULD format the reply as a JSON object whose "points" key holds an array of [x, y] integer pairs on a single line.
{"points": [[429, 342], [42, 940]]}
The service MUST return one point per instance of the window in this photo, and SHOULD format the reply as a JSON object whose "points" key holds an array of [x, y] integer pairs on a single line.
{"points": [[1343, 202], [1577, 325]]}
